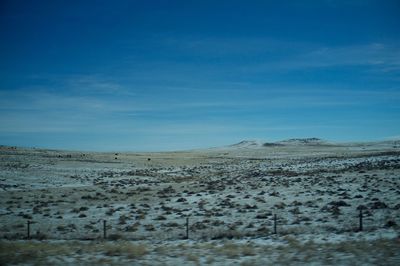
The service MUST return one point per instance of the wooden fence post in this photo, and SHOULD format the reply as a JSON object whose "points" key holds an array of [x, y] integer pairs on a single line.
{"points": [[104, 229], [187, 227], [28, 228], [361, 220], [275, 224]]}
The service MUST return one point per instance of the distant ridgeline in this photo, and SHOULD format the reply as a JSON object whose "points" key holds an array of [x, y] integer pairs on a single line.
{"points": [[299, 141], [250, 144]]}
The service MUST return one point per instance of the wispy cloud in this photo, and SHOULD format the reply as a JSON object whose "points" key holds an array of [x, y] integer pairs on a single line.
{"points": [[375, 54], [246, 97], [222, 59], [378, 56], [221, 47]]}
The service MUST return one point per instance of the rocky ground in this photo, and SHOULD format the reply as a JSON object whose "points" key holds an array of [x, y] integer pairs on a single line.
{"points": [[230, 196]]}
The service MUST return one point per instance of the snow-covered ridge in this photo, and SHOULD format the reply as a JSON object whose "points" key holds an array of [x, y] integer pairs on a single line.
{"points": [[304, 141], [247, 144], [256, 144]]}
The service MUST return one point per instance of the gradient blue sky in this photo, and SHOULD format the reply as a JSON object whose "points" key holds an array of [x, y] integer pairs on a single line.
{"points": [[170, 75]]}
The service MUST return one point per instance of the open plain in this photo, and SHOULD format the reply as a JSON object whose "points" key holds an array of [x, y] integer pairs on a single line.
{"points": [[252, 203]]}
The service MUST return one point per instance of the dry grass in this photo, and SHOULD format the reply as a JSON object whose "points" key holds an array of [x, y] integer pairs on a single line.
{"points": [[291, 251], [128, 249], [193, 258], [232, 250], [32, 251], [20, 252]]}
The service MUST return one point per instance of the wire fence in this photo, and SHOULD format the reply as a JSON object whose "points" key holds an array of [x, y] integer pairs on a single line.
{"points": [[193, 227]]}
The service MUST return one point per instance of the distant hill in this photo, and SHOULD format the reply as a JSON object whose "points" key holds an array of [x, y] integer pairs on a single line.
{"points": [[304, 141], [246, 144], [256, 144]]}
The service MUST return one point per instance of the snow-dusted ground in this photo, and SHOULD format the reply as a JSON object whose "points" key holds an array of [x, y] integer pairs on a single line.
{"points": [[315, 188]]}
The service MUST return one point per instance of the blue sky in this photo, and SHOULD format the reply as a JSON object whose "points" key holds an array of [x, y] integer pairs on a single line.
{"points": [[171, 75]]}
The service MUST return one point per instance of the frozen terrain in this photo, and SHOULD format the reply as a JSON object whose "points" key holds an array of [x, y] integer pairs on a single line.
{"points": [[230, 196]]}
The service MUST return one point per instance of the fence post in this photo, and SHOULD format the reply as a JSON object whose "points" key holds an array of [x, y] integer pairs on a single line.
{"points": [[187, 227], [28, 228], [275, 223], [361, 220], [104, 229]]}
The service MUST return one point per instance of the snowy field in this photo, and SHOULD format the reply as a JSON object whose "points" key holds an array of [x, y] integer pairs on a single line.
{"points": [[229, 196]]}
